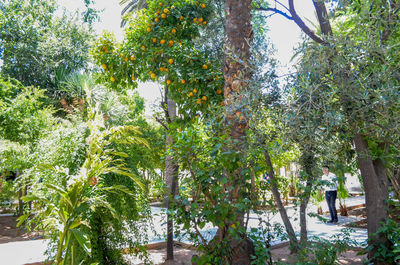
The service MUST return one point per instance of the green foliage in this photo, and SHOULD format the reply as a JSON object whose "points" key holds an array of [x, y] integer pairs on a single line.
{"points": [[201, 150], [65, 207], [159, 45], [326, 251], [23, 118], [387, 251], [37, 47]]}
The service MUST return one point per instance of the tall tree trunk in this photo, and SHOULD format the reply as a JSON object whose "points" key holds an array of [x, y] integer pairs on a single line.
{"points": [[282, 211], [239, 36], [171, 179], [375, 181]]}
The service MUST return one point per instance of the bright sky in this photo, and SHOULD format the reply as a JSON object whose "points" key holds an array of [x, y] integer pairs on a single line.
{"points": [[285, 35]]}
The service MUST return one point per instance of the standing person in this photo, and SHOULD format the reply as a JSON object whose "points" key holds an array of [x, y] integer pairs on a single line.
{"points": [[330, 192]]}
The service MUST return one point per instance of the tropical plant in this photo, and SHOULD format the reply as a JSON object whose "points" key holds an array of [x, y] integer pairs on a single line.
{"points": [[64, 209]]}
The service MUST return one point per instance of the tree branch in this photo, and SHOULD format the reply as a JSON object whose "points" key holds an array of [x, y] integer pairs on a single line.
{"points": [[161, 122], [303, 26], [275, 10], [323, 19]]}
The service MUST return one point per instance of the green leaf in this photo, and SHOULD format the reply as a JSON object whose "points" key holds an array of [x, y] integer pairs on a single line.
{"points": [[22, 219], [82, 239]]}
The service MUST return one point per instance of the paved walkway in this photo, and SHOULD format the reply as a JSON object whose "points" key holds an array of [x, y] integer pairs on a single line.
{"points": [[25, 252]]}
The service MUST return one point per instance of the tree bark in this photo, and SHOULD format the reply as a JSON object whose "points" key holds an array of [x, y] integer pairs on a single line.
{"points": [[375, 181], [171, 179], [294, 247], [239, 36]]}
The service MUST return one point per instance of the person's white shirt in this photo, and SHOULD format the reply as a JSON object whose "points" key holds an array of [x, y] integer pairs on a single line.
{"points": [[331, 179]]}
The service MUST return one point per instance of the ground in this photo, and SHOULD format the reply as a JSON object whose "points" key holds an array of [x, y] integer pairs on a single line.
{"points": [[10, 233], [183, 256], [13, 239]]}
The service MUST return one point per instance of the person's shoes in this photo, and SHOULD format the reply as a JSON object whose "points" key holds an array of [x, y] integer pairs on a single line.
{"points": [[335, 221], [330, 222]]}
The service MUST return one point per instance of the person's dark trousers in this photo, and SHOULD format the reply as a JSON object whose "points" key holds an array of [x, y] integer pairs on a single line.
{"points": [[331, 200]]}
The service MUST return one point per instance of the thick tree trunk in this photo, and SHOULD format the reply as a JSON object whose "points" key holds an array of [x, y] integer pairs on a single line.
{"points": [[239, 36], [375, 181], [171, 181], [294, 247]]}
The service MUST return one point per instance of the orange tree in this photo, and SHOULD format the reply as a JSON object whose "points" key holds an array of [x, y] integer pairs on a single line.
{"points": [[159, 46]]}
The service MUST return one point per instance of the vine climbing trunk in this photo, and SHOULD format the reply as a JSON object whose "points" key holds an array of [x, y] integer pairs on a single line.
{"points": [[239, 36]]}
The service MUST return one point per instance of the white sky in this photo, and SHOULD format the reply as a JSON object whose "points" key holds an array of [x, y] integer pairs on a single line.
{"points": [[285, 35]]}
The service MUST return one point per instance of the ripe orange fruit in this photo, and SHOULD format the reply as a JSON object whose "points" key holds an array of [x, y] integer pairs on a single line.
{"points": [[168, 82], [148, 29], [195, 20], [204, 66], [163, 15], [166, 69], [165, 11], [132, 57], [112, 79], [143, 47], [161, 69], [153, 75], [173, 30], [160, 4], [181, 17], [171, 42], [180, 43], [190, 94], [104, 66], [198, 101], [154, 40], [170, 61], [195, 90], [200, 19], [204, 23], [162, 41], [183, 81], [222, 103], [156, 20], [204, 98], [133, 77], [203, 5], [219, 91], [126, 59]]}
